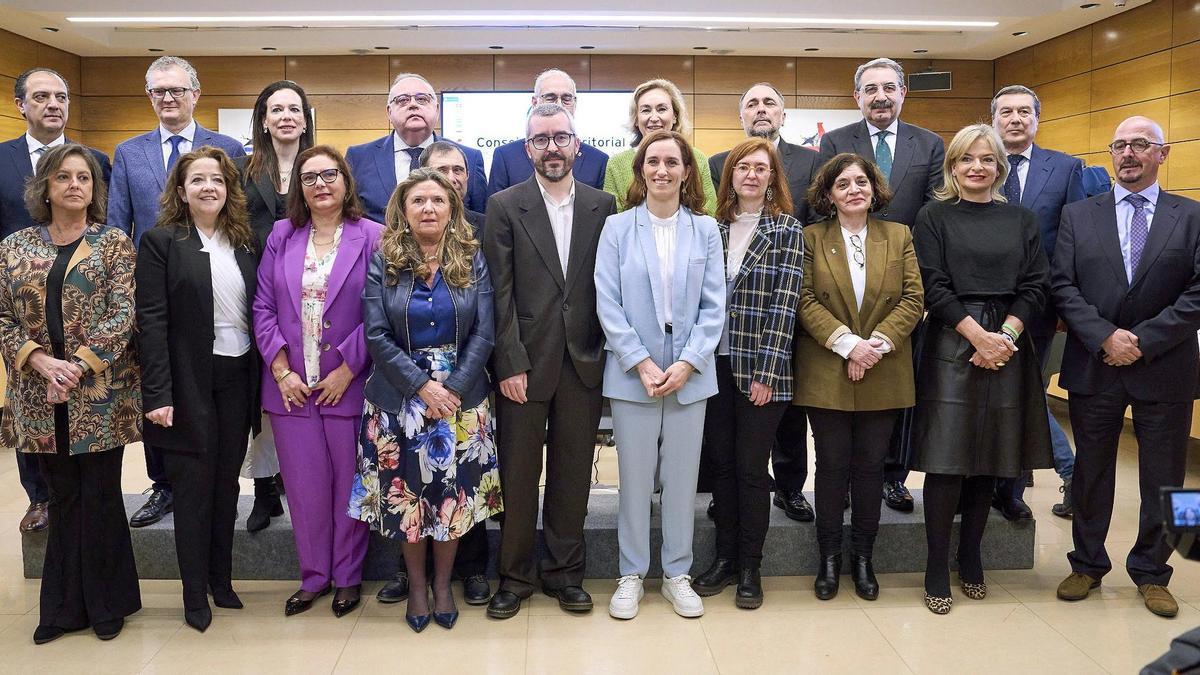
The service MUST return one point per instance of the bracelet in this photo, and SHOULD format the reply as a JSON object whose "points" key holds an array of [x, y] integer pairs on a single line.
{"points": [[1009, 330], [87, 370], [285, 373]]}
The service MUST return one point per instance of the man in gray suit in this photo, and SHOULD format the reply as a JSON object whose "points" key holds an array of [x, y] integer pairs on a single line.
{"points": [[540, 241], [911, 158]]}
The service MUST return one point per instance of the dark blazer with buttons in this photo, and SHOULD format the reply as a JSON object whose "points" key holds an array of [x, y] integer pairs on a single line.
{"points": [[1161, 306], [539, 313], [15, 169], [916, 165], [893, 301], [800, 164], [175, 333], [262, 202], [395, 377]]}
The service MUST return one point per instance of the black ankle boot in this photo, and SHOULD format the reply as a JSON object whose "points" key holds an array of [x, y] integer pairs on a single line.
{"points": [[828, 572], [266, 505], [749, 588], [863, 574], [722, 573]]}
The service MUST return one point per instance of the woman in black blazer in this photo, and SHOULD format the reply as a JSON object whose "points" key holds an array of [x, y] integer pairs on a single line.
{"points": [[196, 278], [281, 127]]}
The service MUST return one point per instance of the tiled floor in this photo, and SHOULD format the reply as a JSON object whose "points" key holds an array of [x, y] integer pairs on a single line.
{"points": [[1020, 628]]}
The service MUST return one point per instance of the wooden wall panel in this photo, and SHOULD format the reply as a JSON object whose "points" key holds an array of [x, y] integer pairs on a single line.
{"points": [[1185, 68], [1185, 21], [1104, 122], [1140, 79], [17, 54], [126, 75], [1185, 121], [344, 138], [712, 141], [826, 102], [969, 78], [11, 127], [134, 114], [1069, 134], [1184, 161], [826, 77], [945, 114], [461, 72], [1016, 68], [66, 63], [1100, 159], [1066, 97], [624, 72], [1131, 33], [339, 74], [735, 74], [104, 141], [516, 72], [1063, 56], [350, 111]]}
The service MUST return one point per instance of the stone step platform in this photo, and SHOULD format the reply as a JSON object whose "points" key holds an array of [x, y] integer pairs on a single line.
{"points": [[790, 549]]}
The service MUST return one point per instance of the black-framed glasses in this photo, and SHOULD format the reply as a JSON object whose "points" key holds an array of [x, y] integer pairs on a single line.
{"points": [[1139, 145], [541, 142], [309, 178], [565, 99], [403, 100], [159, 94], [860, 257]]}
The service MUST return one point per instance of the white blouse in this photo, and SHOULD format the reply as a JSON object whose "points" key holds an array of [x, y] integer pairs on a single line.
{"points": [[666, 231], [231, 329], [856, 247]]}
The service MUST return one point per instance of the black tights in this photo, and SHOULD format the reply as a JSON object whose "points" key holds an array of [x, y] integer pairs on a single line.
{"points": [[943, 493], [418, 581]]}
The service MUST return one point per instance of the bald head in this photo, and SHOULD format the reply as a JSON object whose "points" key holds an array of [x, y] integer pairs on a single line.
{"points": [[1136, 169]]}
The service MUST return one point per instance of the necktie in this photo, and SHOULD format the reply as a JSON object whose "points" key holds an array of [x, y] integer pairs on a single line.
{"points": [[414, 155], [883, 154], [1138, 230], [37, 156], [174, 156], [1012, 184]]}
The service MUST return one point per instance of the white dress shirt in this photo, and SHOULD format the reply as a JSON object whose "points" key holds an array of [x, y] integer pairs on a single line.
{"points": [[188, 133], [231, 331], [891, 137], [665, 232], [741, 231], [562, 218], [403, 159], [35, 147], [1125, 217], [1023, 167], [858, 278]]}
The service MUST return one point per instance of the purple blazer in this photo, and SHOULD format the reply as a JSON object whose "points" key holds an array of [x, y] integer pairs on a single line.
{"points": [[277, 312]]}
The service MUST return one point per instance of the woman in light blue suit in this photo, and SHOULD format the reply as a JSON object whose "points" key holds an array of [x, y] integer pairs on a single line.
{"points": [[660, 295]]}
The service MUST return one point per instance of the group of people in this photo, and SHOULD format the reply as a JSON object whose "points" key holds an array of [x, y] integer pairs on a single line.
{"points": [[410, 346]]}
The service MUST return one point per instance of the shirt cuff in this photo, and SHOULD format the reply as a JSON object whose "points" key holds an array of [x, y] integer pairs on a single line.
{"points": [[845, 344], [887, 344]]}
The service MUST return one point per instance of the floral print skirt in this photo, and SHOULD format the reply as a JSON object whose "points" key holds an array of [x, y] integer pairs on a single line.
{"points": [[419, 477]]}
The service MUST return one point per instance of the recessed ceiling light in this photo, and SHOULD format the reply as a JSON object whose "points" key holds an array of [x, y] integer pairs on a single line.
{"points": [[495, 47], [1020, 33], [50, 29], [812, 49], [1089, 5], [699, 48], [154, 49], [587, 46], [268, 49], [920, 51], [383, 48]]}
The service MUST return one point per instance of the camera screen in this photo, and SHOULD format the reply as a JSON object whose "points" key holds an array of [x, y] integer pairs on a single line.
{"points": [[1185, 508]]}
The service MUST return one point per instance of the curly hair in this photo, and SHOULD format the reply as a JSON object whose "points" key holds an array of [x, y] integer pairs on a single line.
{"points": [[234, 219], [822, 183], [37, 190], [400, 250], [691, 192], [781, 194]]}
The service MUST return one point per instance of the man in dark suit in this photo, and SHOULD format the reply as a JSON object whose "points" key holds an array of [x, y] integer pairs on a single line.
{"points": [[510, 162], [44, 101], [448, 159], [1043, 181], [540, 242], [911, 158], [1126, 280], [762, 114], [380, 165], [139, 174]]}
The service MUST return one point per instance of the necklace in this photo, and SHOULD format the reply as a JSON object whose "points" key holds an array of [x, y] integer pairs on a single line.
{"points": [[70, 239]]}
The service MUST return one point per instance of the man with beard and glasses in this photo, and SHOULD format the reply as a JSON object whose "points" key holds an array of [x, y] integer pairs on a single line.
{"points": [[540, 241], [911, 159], [761, 112]]}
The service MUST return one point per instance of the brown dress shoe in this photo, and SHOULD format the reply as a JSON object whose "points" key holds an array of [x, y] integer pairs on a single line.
{"points": [[1077, 586], [1159, 600], [36, 518]]}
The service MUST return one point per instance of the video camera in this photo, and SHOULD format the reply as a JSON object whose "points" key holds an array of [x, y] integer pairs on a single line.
{"points": [[1181, 513]]}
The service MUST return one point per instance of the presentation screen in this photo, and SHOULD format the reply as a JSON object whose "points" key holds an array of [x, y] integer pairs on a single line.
{"points": [[488, 120]]}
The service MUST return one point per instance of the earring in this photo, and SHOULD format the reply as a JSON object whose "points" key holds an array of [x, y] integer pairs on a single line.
{"points": [[770, 194], [732, 193]]}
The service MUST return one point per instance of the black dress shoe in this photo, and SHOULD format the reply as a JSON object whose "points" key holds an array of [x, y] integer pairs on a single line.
{"points": [[711, 511], [828, 577], [794, 505], [418, 623], [44, 634], [720, 574], [266, 505], [570, 598], [159, 504], [897, 497], [395, 590], [107, 630], [344, 605], [1012, 509], [446, 619], [225, 597], [476, 590], [863, 574], [297, 604], [749, 588], [200, 619], [504, 605]]}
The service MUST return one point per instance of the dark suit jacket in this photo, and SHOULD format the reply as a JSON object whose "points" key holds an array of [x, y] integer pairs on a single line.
{"points": [[538, 312], [799, 163], [262, 202], [510, 165], [15, 169], [374, 167], [1054, 180], [175, 334], [916, 166], [1161, 306]]}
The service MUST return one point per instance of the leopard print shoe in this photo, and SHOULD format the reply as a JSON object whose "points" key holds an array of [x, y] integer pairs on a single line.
{"points": [[938, 605], [974, 591]]}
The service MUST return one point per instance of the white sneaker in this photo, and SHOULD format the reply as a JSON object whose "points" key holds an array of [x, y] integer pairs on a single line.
{"points": [[678, 590], [624, 603]]}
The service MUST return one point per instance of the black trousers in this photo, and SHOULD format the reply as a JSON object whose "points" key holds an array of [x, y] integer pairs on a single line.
{"points": [[1162, 434], [88, 575], [566, 424], [30, 472], [471, 556], [739, 436], [851, 447], [789, 456], [206, 485], [944, 494], [156, 468]]}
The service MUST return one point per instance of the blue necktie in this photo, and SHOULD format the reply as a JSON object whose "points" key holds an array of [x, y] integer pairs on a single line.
{"points": [[174, 157], [414, 161], [1012, 184], [883, 154], [1139, 229]]}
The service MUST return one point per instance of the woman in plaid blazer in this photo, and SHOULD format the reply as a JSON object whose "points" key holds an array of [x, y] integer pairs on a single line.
{"points": [[764, 248]]}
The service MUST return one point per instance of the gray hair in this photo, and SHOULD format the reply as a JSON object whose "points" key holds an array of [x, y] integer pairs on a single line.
{"points": [[768, 85], [19, 90], [165, 62], [413, 76], [881, 62], [548, 110], [537, 83], [441, 148], [1018, 89]]}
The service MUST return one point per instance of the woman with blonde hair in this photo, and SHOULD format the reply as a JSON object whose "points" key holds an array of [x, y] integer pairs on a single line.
{"points": [[980, 410]]}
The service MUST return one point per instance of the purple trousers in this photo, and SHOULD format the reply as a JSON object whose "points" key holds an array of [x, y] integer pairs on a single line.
{"points": [[317, 458]]}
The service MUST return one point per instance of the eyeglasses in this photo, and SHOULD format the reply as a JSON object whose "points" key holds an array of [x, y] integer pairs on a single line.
{"points": [[860, 258], [565, 99], [404, 99], [176, 92], [759, 170], [309, 178], [1139, 145], [561, 139]]}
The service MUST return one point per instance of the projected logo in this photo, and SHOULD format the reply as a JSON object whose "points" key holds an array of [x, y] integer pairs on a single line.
{"points": [[807, 126]]}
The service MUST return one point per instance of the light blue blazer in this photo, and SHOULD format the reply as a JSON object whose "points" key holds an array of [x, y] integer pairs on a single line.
{"points": [[629, 291]]}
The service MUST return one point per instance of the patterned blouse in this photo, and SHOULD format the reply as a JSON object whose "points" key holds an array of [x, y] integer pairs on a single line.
{"points": [[314, 286]]}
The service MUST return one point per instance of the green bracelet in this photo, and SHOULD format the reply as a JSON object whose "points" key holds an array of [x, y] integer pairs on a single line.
{"points": [[1012, 332]]}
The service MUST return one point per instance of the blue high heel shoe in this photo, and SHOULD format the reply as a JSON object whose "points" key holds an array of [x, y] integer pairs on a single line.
{"points": [[446, 619], [417, 623]]}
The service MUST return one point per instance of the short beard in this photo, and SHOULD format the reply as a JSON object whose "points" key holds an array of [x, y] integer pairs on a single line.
{"points": [[769, 134], [554, 176]]}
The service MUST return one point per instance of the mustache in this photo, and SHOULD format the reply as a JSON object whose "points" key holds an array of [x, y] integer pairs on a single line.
{"points": [[881, 105], [554, 155]]}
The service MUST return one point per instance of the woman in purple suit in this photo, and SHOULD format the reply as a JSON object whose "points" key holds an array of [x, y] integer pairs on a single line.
{"points": [[309, 326]]}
